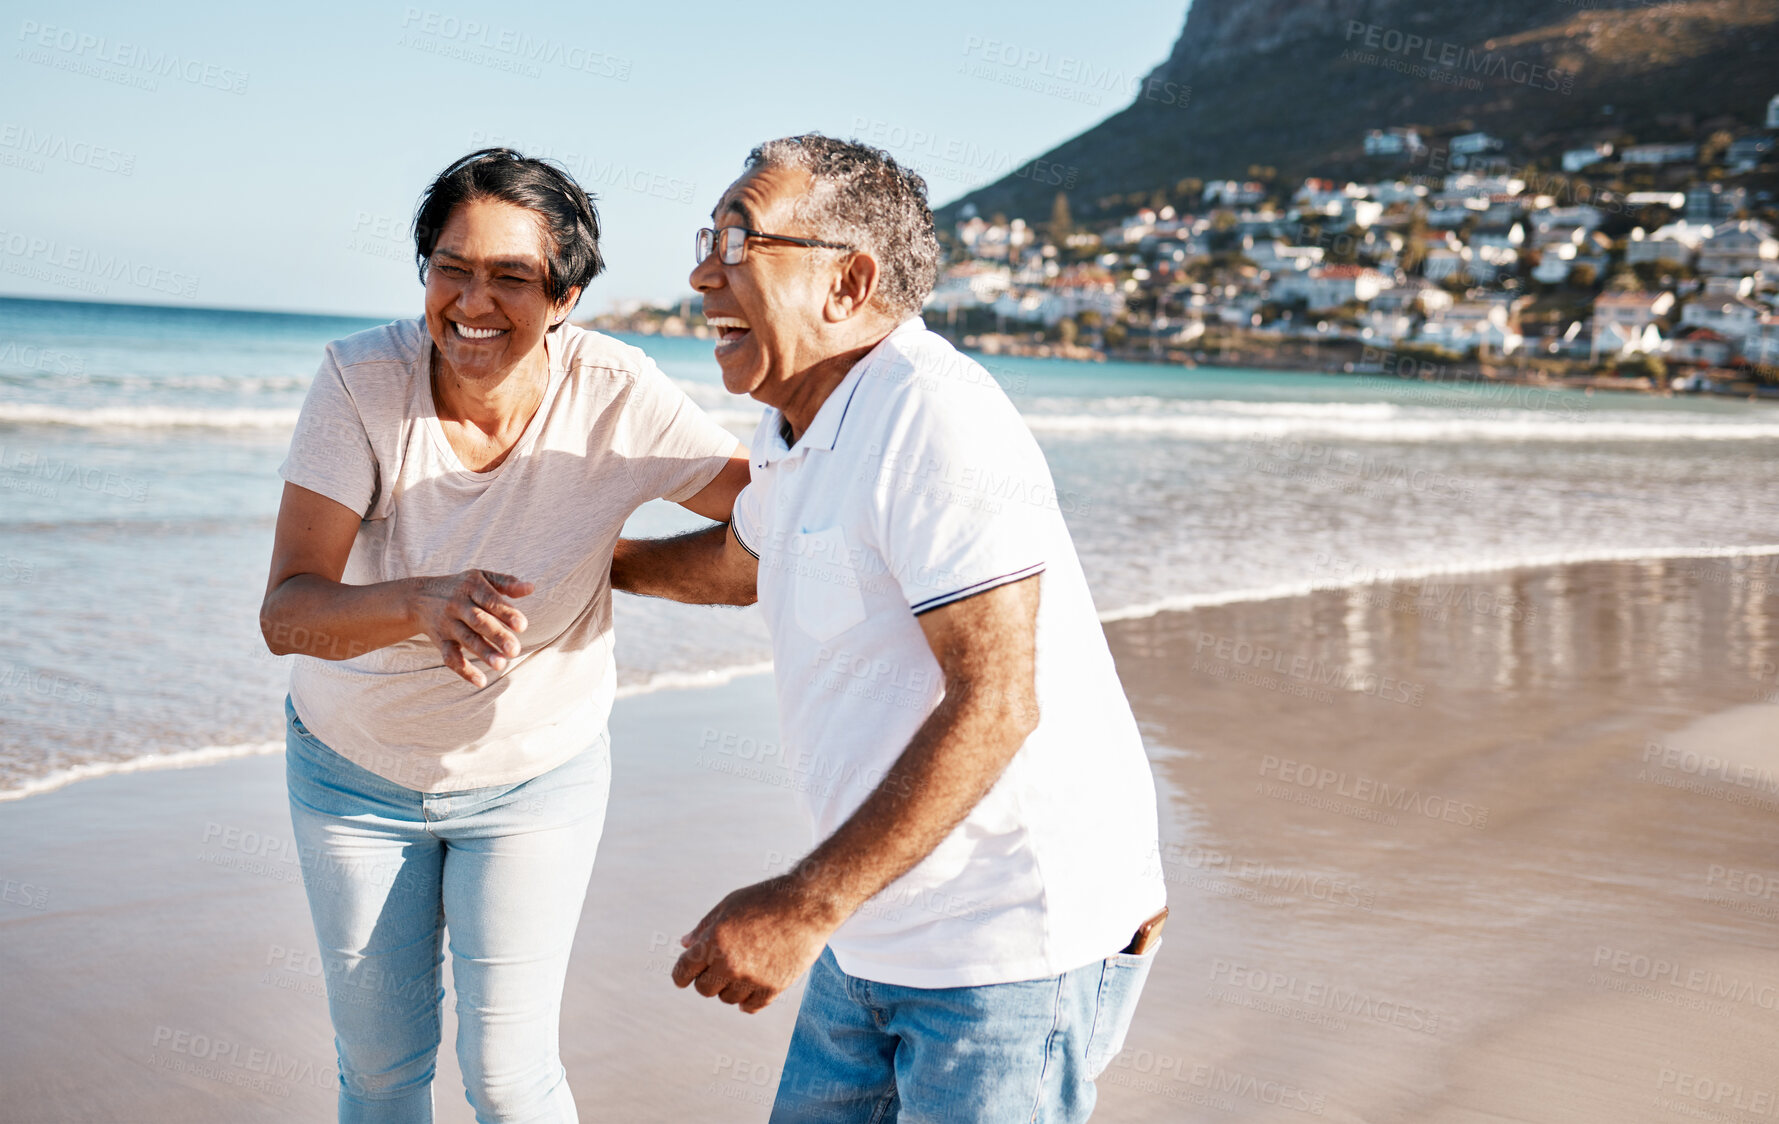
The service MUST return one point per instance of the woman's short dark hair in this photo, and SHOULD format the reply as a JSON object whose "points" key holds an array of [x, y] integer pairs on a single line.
{"points": [[570, 224]]}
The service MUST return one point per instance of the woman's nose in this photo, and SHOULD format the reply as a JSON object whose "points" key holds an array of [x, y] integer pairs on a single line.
{"points": [[476, 298]]}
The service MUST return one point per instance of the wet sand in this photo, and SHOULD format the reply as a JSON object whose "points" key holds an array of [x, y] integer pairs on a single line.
{"points": [[159, 965], [1503, 848]]}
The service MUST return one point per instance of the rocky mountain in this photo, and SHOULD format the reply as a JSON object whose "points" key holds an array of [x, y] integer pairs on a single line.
{"points": [[1296, 84]]}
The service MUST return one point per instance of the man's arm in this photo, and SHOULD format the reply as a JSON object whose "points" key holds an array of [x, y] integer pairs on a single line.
{"points": [[759, 939], [706, 567]]}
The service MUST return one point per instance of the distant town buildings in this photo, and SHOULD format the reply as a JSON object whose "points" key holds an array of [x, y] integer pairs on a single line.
{"points": [[1636, 254], [1648, 258], [1680, 153], [1576, 159], [1393, 142]]}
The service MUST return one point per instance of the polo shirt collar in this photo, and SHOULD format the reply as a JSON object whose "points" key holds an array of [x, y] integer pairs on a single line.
{"points": [[824, 431]]}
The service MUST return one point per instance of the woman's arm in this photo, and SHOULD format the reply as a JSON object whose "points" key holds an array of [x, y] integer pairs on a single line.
{"points": [[307, 611], [716, 500]]}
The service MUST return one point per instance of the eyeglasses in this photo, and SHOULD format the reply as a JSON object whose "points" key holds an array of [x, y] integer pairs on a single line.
{"points": [[734, 243]]}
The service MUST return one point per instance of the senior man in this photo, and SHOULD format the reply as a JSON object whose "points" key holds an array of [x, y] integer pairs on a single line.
{"points": [[982, 907]]}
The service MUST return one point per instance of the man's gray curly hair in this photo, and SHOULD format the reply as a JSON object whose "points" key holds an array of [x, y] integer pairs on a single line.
{"points": [[859, 195]]}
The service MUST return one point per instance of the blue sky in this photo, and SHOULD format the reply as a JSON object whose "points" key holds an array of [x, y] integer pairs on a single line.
{"points": [[271, 158]]}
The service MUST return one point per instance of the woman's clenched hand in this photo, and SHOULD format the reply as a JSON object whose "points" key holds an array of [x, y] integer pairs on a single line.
{"points": [[468, 616]]}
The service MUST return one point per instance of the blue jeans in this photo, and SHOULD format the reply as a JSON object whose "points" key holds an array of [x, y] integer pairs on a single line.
{"points": [[389, 871], [873, 1053]]}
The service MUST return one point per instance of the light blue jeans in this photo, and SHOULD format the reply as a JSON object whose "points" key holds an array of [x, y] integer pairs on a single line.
{"points": [[875, 1053], [389, 871]]}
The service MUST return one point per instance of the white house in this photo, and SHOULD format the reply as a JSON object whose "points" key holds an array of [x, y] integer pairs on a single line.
{"points": [[1626, 323], [1468, 185], [1468, 144], [1579, 215], [1393, 142], [1330, 286], [1135, 227], [1739, 248], [1441, 262], [1509, 237], [1746, 153], [1575, 159], [969, 285], [1073, 294], [1240, 312], [1676, 242], [1487, 326], [1318, 195], [1560, 236], [1707, 201], [1730, 287], [1488, 262], [1413, 294], [1683, 153], [1734, 318], [1232, 193], [1386, 327], [1361, 213], [1701, 346], [1003, 242], [1175, 331], [1555, 263], [1022, 304], [1449, 216], [1618, 341], [1395, 191], [1762, 347], [1275, 256]]}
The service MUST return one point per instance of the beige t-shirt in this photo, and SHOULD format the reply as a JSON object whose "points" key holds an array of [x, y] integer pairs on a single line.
{"points": [[611, 433]]}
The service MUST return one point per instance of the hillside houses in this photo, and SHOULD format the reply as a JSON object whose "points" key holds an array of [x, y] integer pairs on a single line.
{"points": [[1677, 269]]}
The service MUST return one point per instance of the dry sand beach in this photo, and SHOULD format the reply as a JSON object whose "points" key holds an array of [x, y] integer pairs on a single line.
{"points": [[1493, 848]]}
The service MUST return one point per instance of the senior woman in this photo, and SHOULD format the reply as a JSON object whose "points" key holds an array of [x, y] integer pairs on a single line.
{"points": [[452, 495]]}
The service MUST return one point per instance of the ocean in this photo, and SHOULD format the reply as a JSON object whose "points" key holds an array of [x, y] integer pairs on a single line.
{"points": [[139, 449]]}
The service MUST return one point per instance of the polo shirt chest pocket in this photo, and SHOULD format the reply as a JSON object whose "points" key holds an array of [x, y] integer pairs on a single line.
{"points": [[825, 593]]}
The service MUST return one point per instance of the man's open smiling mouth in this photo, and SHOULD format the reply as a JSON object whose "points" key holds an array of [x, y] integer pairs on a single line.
{"points": [[731, 330]]}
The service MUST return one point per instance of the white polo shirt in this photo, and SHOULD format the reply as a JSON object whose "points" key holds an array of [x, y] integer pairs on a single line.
{"points": [[917, 485]]}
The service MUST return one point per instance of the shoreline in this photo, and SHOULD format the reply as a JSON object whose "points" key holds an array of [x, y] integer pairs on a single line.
{"points": [[1183, 603], [1348, 358]]}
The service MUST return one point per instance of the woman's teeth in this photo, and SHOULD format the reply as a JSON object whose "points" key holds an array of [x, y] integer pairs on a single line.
{"points": [[470, 333]]}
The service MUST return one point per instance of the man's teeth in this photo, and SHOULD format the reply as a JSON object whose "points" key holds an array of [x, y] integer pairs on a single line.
{"points": [[724, 323], [468, 332]]}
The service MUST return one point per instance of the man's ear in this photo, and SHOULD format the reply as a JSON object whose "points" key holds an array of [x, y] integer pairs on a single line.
{"points": [[853, 287]]}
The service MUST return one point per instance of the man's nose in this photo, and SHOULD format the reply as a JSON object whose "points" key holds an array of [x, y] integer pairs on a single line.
{"points": [[707, 274]]}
